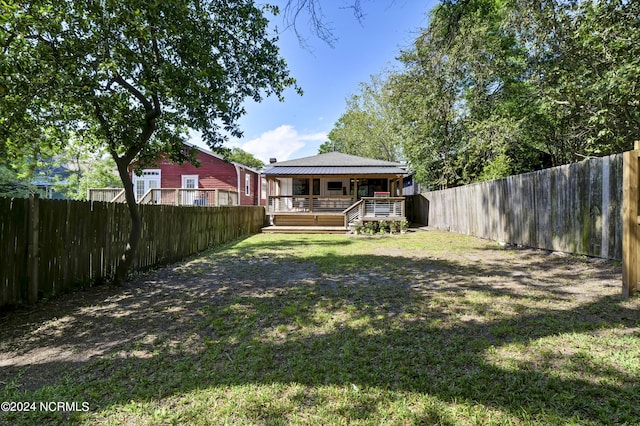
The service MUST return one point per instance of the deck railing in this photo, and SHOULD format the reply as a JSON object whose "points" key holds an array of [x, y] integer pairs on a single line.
{"points": [[383, 207], [170, 196], [309, 203], [375, 209], [354, 213], [190, 197], [109, 195]]}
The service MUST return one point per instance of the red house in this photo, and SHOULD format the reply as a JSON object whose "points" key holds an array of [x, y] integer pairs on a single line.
{"points": [[215, 182]]}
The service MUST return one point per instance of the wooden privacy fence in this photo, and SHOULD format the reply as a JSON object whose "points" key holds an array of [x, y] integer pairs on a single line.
{"points": [[576, 208], [50, 246], [573, 208]]}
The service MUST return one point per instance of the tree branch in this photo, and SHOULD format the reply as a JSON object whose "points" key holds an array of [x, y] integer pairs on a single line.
{"points": [[137, 94]]}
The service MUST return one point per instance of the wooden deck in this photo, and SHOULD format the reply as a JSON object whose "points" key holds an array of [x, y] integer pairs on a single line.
{"points": [[368, 209]]}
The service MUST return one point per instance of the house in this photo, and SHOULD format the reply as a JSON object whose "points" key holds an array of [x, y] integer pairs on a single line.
{"points": [[215, 182], [332, 191], [48, 177]]}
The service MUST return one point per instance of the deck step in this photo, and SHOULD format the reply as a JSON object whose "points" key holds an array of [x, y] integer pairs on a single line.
{"points": [[304, 230], [321, 220]]}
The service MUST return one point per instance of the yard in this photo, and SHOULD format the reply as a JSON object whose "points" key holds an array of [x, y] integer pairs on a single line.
{"points": [[423, 328]]}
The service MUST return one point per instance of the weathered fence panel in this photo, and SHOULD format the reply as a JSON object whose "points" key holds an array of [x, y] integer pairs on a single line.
{"points": [[574, 208], [79, 243]]}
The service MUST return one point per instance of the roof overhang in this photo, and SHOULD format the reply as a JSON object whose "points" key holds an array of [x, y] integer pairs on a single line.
{"points": [[334, 171]]}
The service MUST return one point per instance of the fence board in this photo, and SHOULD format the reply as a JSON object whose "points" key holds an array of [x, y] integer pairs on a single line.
{"points": [[574, 208], [80, 242]]}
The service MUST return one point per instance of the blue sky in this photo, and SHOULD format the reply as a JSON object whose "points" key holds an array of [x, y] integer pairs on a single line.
{"points": [[328, 75]]}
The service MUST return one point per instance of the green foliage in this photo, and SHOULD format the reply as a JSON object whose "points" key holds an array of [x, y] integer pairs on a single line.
{"points": [[381, 227], [492, 88], [238, 155], [138, 72], [11, 185], [87, 169], [131, 77], [367, 128]]}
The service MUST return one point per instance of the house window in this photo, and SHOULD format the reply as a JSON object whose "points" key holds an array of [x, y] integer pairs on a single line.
{"points": [[300, 186], [139, 189], [247, 184], [316, 187], [189, 181]]}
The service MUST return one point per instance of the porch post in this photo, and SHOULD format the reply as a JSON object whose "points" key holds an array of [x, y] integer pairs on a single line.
{"points": [[310, 185], [270, 182], [355, 189]]}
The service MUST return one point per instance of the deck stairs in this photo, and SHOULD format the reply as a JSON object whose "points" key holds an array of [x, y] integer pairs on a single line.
{"points": [[304, 230]]}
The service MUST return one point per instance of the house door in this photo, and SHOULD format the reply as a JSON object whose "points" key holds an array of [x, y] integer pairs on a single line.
{"points": [[368, 187], [190, 190], [150, 179]]}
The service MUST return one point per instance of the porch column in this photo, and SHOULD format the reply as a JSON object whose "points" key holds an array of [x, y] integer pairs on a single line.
{"points": [[310, 184], [271, 182], [355, 189]]}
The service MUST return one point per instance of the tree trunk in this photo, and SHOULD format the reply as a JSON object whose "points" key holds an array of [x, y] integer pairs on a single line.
{"points": [[136, 223]]}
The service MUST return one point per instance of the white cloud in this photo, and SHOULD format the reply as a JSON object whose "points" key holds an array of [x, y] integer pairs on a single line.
{"points": [[281, 143]]}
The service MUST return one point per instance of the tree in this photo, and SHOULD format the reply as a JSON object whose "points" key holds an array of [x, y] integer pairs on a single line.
{"points": [[11, 185], [134, 75], [426, 96], [367, 128], [583, 64], [238, 155], [295, 9], [492, 87], [87, 168]]}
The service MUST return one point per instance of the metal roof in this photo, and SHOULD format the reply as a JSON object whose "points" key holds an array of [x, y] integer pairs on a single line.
{"points": [[334, 159], [334, 163], [335, 171]]}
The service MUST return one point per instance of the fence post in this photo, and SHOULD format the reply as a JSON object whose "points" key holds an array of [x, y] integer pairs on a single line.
{"points": [[630, 228], [33, 249]]}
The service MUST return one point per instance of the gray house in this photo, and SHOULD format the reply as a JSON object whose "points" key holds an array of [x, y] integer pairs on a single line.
{"points": [[328, 192]]}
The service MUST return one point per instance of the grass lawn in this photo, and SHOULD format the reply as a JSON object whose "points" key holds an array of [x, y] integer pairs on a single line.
{"points": [[421, 328]]}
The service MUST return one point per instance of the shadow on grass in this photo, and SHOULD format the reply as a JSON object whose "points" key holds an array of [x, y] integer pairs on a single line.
{"points": [[382, 329]]}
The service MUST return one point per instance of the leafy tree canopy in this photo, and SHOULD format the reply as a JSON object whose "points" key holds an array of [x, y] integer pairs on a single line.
{"points": [[367, 128], [238, 155], [133, 76], [11, 185], [492, 88]]}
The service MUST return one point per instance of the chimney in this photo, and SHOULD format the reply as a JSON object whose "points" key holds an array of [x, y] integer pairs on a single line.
{"points": [[273, 160]]}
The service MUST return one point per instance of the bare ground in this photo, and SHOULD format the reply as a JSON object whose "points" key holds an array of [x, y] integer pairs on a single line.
{"points": [[40, 345]]}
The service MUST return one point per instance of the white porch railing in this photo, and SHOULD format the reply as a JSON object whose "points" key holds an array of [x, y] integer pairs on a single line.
{"points": [[169, 196], [375, 209], [190, 197], [354, 213], [383, 207], [109, 195]]}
